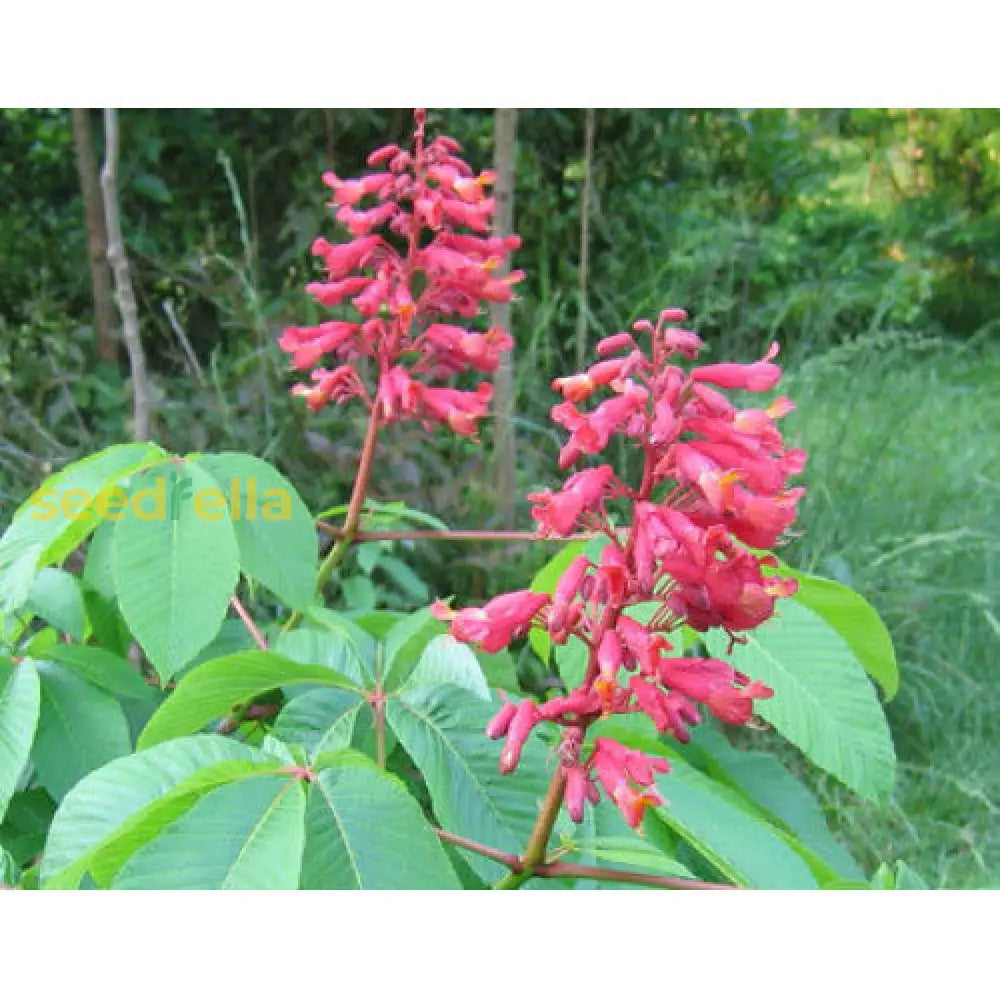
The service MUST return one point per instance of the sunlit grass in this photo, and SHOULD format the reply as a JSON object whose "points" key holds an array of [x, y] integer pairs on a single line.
{"points": [[904, 505]]}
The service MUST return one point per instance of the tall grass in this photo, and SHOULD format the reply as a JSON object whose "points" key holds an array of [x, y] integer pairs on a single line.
{"points": [[904, 505]]}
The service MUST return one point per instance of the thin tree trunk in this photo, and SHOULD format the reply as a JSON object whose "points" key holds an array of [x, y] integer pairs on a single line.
{"points": [[123, 280], [505, 443], [329, 121], [585, 199], [97, 240]]}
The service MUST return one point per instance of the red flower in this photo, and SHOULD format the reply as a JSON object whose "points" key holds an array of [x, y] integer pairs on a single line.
{"points": [[493, 626], [419, 199], [713, 481]]}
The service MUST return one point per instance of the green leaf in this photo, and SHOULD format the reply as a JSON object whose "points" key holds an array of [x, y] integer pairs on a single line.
{"points": [[442, 729], [323, 647], [404, 643], [746, 850], [359, 593], [899, 876], [56, 598], [365, 831], [385, 515], [857, 623], [499, 669], [823, 702], [378, 623], [176, 571], [320, 720], [104, 670], [274, 529], [80, 728], [773, 792], [17, 577], [10, 870], [364, 645], [211, 689], [247, 834], [41, 534], [107, 815], [108, 627], [20, 701], [714, 820], [545, 581], [447, 661], [571, 661], [634, 854], [405, 579], [27, 823], [99, 569]]}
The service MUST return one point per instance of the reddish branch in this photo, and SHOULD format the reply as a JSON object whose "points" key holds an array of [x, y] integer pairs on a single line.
{"points": [[447, 535], [249, 622], [566, 869]]}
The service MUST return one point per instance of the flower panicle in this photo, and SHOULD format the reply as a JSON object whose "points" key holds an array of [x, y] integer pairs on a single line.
{"points": [[714, 491], [417, 271]]}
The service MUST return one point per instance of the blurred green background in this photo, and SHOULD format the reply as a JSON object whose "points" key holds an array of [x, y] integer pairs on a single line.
{"points": [[867, 241]]}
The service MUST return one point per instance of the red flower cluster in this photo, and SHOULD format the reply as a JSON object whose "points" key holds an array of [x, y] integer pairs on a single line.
{"points": [[713, 489], [405, 287]]}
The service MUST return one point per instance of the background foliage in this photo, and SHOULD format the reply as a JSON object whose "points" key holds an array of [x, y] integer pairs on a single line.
{"points": [[867, 241]]}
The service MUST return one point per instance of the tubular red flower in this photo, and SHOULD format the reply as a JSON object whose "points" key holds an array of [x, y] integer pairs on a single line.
{"points": [[713, 482], [525, 719], [419, 199]]}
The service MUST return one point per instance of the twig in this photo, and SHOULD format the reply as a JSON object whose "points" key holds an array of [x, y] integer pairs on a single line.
{"points": [[175, 325], [566, 869], [449, 536], [248, 621], [123, 281], [353, 517], [538, 842], [581, 316], [505, 430]]}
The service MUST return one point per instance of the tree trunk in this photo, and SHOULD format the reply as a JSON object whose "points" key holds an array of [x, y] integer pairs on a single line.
{"points": [[97, 240], [505, 442], [123, 280], [585, 199]]}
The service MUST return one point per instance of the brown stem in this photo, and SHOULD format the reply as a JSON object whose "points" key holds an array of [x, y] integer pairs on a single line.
{"points": [[566, 869], [97, 240], [249, 622], [585, 199], [123, 281], [538, 842], [335, 556], [504, 383]]}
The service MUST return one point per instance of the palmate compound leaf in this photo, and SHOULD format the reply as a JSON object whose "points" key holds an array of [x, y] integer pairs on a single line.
{"points": [[61, 513], [176, 563], [322, 719], [116, 809], [20, 699], [442, 729], [246, 834], [365, 831], [274, 529], [204, 812], [823, 702], [211, 689]]}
